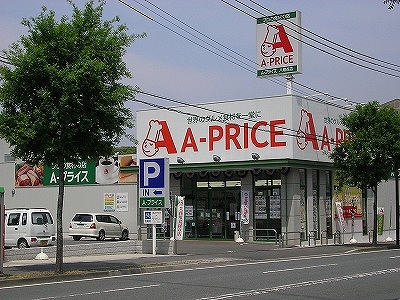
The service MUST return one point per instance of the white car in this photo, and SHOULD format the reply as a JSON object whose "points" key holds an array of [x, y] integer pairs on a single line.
{"points": [[26, 227], [97, 225]]}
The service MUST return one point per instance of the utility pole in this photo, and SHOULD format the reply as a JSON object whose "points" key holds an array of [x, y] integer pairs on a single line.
{"points": [[396, 177], [2, 229]]}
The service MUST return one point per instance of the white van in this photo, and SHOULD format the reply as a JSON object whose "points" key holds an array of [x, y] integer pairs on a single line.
{"points": [[26, 227]]}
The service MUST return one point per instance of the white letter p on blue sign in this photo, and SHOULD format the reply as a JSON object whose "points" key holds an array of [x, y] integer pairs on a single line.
{"points": [[151, 171]]}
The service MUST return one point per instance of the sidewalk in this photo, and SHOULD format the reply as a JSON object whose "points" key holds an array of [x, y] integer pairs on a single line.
{"points": [[190, 254]]}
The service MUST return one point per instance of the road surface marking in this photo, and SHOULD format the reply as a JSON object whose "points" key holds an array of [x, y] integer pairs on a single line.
{"points": [[99, 292], [259, 292], [300, 268]]}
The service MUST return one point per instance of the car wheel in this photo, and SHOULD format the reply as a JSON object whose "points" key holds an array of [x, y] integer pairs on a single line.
{"points": [[102, 236], [124, 235], [76, 238], [22, 244]]}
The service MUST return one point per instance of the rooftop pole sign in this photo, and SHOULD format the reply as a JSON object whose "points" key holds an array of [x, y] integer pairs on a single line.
{"points": [[279, 44]]}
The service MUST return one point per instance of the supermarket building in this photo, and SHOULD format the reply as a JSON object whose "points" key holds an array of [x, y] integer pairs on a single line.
{"points": [[254, 166]]}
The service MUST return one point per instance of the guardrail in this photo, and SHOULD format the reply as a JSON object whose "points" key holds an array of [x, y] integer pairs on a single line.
{"points": [[312, 235], [286, 237], [337, 237], [273, 236], [370, 233], [324, 235]]}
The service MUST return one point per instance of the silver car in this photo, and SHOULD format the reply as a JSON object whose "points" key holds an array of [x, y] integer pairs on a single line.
{"points": [[97, 225]]}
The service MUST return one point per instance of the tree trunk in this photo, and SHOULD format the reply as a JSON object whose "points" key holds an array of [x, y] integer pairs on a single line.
{"points": [[60, 204], [375, 232]]}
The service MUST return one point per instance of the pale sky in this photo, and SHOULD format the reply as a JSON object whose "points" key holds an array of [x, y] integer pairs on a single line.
{"points": [[169, 65]]}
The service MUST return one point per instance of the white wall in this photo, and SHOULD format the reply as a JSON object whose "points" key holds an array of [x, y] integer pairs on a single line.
{"points": [[85, 198]]}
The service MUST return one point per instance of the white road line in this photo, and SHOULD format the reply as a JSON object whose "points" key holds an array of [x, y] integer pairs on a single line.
{"points": [[273, 261], [300, 268], [99, 292], [300, 284]]}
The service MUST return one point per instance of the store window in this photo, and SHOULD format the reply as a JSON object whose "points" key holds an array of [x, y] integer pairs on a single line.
{"points": [[328, 204], [303, 205], [315, 202], [267, 205]]}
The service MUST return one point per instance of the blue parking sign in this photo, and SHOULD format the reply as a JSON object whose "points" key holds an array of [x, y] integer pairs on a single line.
{"points": [[151, 173], [153, 182]]}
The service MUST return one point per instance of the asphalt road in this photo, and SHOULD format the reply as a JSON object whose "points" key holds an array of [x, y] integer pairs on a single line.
{"points": [[350, 274]]}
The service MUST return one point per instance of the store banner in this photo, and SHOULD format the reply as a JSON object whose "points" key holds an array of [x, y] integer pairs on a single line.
{"points": [[245, 212], [180, 218], [235, 130], [339, 210], [106, 170], [83, 172]]}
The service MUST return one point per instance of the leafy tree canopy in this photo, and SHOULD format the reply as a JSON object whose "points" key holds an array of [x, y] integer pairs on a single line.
{"points": [[62, 96], [125, 150], [368, 156]]}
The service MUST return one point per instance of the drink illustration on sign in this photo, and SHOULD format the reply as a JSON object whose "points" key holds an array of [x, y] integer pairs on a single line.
{"points": [[107, 170]]}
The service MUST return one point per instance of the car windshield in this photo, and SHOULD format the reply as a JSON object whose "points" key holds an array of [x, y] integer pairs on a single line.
{"points": [[83, 218]]}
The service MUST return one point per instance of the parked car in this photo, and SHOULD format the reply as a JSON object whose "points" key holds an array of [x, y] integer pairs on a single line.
{"points": [[97, 225], [26, 227]]}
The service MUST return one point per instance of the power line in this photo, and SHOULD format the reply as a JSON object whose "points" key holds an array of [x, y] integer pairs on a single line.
{"points": [[272, 79], [202, 34], [213, 40], [325, 45], [321, 37], [330, 41], [242, 64], [186, 38]]}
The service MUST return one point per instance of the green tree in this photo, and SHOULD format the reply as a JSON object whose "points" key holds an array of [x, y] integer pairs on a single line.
{"points": [[62, 98], [391, 3], [370, 154], [125, 150]]}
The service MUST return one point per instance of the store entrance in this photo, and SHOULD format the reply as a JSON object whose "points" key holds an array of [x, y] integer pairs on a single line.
{"points": [[217, 212], [267, 208]]}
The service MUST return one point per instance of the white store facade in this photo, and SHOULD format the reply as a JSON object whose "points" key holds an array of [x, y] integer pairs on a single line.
{"points": [[257, 166]]}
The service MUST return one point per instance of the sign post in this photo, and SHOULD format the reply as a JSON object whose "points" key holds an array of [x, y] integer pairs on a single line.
{"points": [[153, 189], [153, 217]]}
